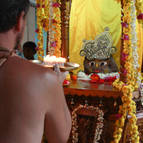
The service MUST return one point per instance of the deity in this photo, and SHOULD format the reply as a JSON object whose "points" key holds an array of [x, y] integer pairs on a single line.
{"points": [[98, 54]]}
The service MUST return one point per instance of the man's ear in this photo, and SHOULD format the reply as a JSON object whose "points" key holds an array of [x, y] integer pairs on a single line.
{"points": [[20, 22]]}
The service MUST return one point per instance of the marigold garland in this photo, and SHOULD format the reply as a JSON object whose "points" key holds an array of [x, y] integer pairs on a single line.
{"points": [[54, 45], [49, 19], [128, 108], [42, 23], [131, 69]]}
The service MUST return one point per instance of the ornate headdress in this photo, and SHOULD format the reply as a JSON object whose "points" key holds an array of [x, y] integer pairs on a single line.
{"points": [[100, 48]]}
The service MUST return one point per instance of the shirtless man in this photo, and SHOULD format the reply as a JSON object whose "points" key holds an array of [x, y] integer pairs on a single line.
{"points": [[31, 96]]}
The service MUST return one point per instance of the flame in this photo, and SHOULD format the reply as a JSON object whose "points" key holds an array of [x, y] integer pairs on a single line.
{"points": [[54, 59]]}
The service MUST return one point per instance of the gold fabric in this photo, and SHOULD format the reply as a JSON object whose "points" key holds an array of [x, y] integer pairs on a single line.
{"points": [[89, 18]]}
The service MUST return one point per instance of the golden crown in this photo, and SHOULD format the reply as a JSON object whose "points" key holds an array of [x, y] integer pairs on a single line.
{"points": [[100, 48]]}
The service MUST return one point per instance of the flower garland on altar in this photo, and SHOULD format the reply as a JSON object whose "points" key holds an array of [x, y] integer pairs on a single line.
{"points": [[131, 71], [54, 45], [134, 45], [98, 130], [42, 23], [128, 108], [49, 19], [128, 45]]}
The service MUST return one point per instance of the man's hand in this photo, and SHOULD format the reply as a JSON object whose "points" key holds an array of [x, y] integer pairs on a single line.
{"points": [[61, 75]]}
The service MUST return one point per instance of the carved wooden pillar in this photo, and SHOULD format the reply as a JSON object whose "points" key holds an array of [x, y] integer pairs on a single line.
{"points": [[121, 48], [65, 13]]}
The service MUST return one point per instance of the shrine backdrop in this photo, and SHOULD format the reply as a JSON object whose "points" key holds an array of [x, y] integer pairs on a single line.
{"points": [[89, 18]]}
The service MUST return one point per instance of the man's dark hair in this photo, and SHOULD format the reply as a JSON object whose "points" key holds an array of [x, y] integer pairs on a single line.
{"points": [[10, 10], [29, 50]]}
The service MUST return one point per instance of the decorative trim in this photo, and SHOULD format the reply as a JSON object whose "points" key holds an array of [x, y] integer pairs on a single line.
{"points": [[99, 128]]}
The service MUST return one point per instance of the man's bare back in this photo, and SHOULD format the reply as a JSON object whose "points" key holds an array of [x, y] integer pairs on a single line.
{"points": [[30, 98]]}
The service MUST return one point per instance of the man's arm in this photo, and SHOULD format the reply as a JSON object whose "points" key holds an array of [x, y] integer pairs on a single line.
{"points": [[58, 119]]}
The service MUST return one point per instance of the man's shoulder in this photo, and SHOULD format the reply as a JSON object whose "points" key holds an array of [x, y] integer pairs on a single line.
{"points": [[31, 70]]}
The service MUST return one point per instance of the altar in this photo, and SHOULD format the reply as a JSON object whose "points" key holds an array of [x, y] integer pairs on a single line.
{"points": [[103, 96], [87, 88], [106, 98]]}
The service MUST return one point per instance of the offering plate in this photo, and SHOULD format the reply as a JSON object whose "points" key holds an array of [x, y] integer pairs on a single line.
{"points": [[66, 67]]}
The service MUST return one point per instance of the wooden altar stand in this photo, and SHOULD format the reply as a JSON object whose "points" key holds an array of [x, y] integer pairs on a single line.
{"points": [[103, 96], [86, 88]]}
